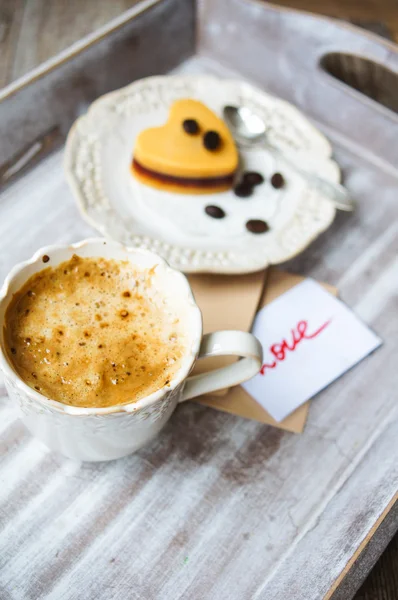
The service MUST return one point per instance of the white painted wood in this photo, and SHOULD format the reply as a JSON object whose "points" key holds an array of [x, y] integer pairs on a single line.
{"points": [[217, 507]]}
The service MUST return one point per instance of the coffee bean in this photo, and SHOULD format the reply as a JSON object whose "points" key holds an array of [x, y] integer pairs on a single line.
{"points": [[211, 140], [252, 178], [277, 181], [243, 190], [215, 211], [45, 258], [190, 126], [257, 226]]}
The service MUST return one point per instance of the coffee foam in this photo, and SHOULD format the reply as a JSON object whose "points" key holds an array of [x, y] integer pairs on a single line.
{"points": [[93, 332]]}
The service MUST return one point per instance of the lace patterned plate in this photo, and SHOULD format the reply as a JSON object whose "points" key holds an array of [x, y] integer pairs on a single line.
{"points": [[98, 155]]}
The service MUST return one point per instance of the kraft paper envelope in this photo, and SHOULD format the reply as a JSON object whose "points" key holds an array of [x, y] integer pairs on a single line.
{"points": [[236, 401]]}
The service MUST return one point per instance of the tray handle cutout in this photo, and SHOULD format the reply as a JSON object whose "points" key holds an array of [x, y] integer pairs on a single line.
{"points": [[364, 75]]}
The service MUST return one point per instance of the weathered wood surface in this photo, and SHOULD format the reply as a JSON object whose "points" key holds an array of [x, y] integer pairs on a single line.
{"points": [[151, 37], [34, 31], [382, 583], [368, 553], [23, 47], [217, 507], [379, 16]]}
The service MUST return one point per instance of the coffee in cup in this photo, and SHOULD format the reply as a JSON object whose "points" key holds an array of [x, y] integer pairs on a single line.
{"points": [[93, 332]]}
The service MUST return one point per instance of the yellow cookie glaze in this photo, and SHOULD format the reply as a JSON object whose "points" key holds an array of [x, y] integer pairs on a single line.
{"points": [[169, 150]]}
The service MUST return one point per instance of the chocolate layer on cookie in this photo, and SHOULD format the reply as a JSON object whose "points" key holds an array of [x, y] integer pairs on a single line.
{"points": [[202, 182]]}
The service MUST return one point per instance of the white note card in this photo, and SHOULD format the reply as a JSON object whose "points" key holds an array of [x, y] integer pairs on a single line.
{"points": [[309, 339]]}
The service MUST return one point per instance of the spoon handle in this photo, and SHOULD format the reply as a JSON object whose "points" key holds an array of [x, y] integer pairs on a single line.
{"points": [[337, 193]]}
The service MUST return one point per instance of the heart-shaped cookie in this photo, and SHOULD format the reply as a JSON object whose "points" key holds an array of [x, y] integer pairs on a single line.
{"points": [[193, 152]]}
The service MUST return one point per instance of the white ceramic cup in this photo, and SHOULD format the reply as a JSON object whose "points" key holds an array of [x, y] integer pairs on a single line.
{"points": [[97, 434]]}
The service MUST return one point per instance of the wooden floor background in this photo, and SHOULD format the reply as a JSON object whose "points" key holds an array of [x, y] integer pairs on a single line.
{"points": [[32, 31]]}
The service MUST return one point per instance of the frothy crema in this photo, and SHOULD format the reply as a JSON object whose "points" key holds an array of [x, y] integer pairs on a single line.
{"points": [[91, 332]]}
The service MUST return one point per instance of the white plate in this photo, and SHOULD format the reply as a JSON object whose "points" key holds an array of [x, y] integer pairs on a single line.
{"points": [[98, 155]]}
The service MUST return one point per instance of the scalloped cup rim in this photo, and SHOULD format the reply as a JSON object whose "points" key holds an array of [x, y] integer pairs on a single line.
{"points": [[130, 407]]}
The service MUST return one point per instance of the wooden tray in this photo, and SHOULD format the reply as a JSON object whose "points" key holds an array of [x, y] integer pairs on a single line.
{"points": [[217, 507]]}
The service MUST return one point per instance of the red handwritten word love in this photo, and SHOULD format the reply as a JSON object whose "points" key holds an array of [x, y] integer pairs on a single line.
{"points": [[299, 333]]}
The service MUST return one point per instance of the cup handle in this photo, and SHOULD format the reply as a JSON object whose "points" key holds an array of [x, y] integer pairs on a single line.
{"points": [[225, 343]]}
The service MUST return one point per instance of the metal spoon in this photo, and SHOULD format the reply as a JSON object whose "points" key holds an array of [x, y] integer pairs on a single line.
{"points": [[249, 129]]}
